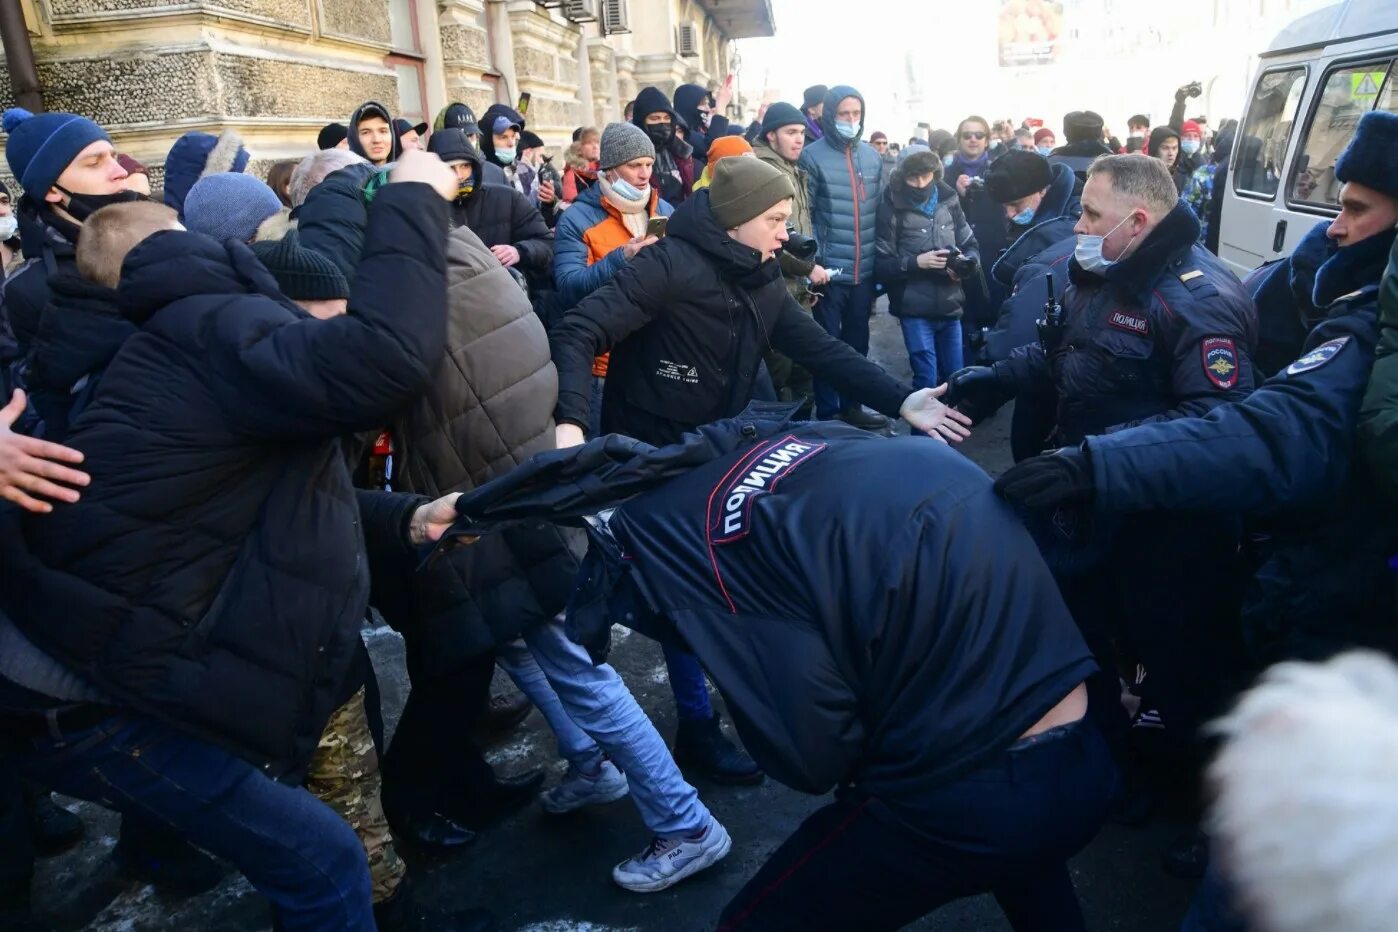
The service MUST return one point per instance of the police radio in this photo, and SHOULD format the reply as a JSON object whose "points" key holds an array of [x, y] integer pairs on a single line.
{"points": [[1051, 324]]}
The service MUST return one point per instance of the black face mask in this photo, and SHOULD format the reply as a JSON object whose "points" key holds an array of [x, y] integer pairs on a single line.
{"points": [[660, 133], [82, 206], [919, 195]]}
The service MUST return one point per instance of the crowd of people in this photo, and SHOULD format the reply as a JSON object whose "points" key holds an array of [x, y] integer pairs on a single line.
{"points": [[506, 403]]}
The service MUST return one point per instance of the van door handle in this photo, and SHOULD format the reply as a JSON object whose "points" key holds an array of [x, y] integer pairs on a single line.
{"points": [[1279, 237]]}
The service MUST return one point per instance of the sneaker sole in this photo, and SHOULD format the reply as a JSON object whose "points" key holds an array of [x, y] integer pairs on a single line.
{"points": [[708, 859], [618, 793]]}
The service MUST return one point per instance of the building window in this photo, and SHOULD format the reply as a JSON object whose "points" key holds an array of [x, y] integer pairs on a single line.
{"points": [[407, 60]]}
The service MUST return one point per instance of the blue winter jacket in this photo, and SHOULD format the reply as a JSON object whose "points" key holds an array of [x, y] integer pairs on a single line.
{"points": [[846, 183], [573, 278]]}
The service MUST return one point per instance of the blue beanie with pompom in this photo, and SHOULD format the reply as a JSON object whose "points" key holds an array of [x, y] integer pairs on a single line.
{"points": [[41, 146]]}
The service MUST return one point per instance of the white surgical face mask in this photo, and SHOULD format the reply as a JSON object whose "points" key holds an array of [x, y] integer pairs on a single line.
{"points": [[9, 226], [1088, 251]]}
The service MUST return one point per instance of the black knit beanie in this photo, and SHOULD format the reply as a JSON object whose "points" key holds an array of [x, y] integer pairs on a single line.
{"points": [[302, 274]]}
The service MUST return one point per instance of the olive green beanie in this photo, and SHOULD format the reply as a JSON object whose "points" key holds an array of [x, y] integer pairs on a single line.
{"points": [[744, 187]]}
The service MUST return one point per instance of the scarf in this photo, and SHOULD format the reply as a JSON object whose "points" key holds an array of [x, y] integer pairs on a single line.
{"points": [[634, 215], [974, 168], [814, 129]]}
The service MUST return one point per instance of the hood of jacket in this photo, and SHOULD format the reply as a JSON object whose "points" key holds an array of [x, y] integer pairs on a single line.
{"points": [[693, 221], [1350, 268], [175, 264], [688, 97], [653, 100], [488, 135], [373, 108], [1158, 136], [79, 333], [827, 117], [1136, 274]]}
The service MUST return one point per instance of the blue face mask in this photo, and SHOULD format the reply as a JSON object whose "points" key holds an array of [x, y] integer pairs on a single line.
{"points": [[1088, 250], [628, 191], [947, 160], [847, 130], [1190, 146], [1023, 217], [1045, 151], [505, 154]]}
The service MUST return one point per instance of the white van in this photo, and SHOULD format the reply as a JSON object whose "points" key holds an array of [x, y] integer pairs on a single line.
{"points": [[1318, 77]]}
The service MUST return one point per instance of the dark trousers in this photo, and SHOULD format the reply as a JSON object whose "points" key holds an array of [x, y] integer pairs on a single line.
{"points": [[1008, 828], [432, 758], [844, 313], [16, 838], [291, 847]]}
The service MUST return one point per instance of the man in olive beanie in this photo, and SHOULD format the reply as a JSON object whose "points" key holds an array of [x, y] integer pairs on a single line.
{"points": [[744, 188]]}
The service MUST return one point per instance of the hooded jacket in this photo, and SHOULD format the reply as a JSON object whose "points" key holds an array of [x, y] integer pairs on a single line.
{"points": [[214, 574], [1167, 332], [373, 109], [51, 245], [905, 231], [845, 184], [688, 97], [675, 179], [1180, 171], [796, 270], [687, 321], [488, 408], [1043, 249], [501, 216], [509, 172], [891, 639]]}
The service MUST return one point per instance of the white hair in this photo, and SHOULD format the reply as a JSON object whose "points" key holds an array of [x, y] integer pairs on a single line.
{"points": [[313, 169], [1306, 813]]}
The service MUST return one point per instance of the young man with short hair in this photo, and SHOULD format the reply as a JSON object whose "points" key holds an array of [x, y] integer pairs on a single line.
{"points": [[371, 134]]}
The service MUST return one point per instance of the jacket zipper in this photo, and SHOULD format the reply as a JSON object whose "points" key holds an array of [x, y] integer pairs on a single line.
{"points": [[854, 187]]}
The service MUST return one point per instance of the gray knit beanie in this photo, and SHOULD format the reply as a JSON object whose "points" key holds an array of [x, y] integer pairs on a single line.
{"points": [[622, 142]]}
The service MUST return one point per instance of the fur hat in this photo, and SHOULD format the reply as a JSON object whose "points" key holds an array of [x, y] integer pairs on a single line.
{"points": [[1082, 125], [198, 155], [1371, 158], [1017, 174]]}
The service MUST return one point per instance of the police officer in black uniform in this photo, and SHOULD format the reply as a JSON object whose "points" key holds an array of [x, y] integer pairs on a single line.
{"points": [[1155, 328]]}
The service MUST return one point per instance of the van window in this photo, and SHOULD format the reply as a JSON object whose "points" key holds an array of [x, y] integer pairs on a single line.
{"points": [[1348, 93], [1260, 149]]}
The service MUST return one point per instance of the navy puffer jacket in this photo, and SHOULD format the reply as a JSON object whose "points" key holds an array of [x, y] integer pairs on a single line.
{"points": [[846, 183], [214, 574]]}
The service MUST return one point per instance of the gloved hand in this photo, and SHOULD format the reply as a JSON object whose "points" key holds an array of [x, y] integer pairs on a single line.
{"points": [[976, 391], [1042, 482]]}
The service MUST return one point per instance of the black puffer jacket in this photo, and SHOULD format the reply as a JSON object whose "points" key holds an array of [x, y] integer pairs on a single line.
{"points": [[214, 574], [687, 322], [1167, 332], [872, 612], [334, 216], [501, 216], [50, 248], [905, 231]]}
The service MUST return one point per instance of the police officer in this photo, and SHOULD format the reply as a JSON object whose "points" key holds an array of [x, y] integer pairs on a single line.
{"points": [[835, 585], [1155, 329]]}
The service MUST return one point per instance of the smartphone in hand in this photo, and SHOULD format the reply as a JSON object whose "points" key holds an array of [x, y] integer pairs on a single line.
{"points": [[656, 226]]}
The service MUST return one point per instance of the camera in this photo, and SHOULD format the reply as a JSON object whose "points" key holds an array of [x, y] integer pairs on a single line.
{"points": [[960, 263], [548, 173], [799, 246], [1192, 89]]}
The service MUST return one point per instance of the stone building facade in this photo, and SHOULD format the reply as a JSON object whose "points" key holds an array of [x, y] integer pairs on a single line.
{"points": [[278, 70]]}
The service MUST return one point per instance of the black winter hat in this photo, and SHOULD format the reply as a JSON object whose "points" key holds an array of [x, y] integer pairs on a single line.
{"points": [[653, 100], [1017, 174], [302, 274], [781, 114], [453, 145], [1082, 125], [331, 135], [814, 96], [1371, 158], [528, 140]]}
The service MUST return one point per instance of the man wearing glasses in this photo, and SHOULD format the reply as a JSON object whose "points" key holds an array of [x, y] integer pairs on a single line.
{"points": [[887, 158], [967, 175]]}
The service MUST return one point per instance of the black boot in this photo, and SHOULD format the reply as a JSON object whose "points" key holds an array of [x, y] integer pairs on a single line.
{"points": [[404, 911], [150, 853], [481, 806], [702, 746], [54, 829], [417, 826], [856, 416]]}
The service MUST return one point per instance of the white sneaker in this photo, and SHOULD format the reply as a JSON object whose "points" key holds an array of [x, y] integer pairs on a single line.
{"points": [[579, 789], [667, 861]]}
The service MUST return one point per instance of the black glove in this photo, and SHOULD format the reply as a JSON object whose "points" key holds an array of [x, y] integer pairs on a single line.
{"points": [[1192, 89], [976, 391], [1042, 482]]}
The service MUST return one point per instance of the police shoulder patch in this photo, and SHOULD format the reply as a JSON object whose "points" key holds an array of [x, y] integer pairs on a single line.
{"points": [[1318, 357], [1220, 359], [755, 475]]}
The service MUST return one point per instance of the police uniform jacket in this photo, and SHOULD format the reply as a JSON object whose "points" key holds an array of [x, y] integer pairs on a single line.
{"points": [[873, 613], [687, 322], [1167, 332]]}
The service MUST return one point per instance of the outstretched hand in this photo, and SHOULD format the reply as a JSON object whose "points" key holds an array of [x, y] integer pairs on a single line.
{"points": [[431, 521], [924, 411], [30, 467]]}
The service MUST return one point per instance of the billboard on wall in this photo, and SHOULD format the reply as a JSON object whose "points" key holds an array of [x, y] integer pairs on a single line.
{"points": [[1030, 32]]}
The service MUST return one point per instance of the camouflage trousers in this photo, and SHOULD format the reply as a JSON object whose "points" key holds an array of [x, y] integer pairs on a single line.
{"points": [[344, 774]]}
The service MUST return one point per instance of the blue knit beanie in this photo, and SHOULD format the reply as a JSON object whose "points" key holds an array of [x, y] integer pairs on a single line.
{"points": [[1371, 158], [41, 146], [229, 205], [195, 155]]}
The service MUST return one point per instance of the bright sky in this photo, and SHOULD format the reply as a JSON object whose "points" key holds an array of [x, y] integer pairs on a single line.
{"points": [[1118, 57]]}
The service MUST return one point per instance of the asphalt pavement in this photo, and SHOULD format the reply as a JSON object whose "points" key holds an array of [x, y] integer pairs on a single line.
{"points": [[552, 874]]}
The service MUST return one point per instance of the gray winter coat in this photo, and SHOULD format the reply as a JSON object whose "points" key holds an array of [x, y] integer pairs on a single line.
{"points": [[904, 232]]}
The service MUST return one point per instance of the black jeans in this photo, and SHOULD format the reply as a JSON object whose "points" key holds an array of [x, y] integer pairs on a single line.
{"points": [[1008, 828]]}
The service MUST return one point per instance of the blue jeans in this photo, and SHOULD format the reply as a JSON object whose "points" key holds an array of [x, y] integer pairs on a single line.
{"points": [[934, 348], [688, 684], [599, 704], [295, 850], [844, 313]]}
